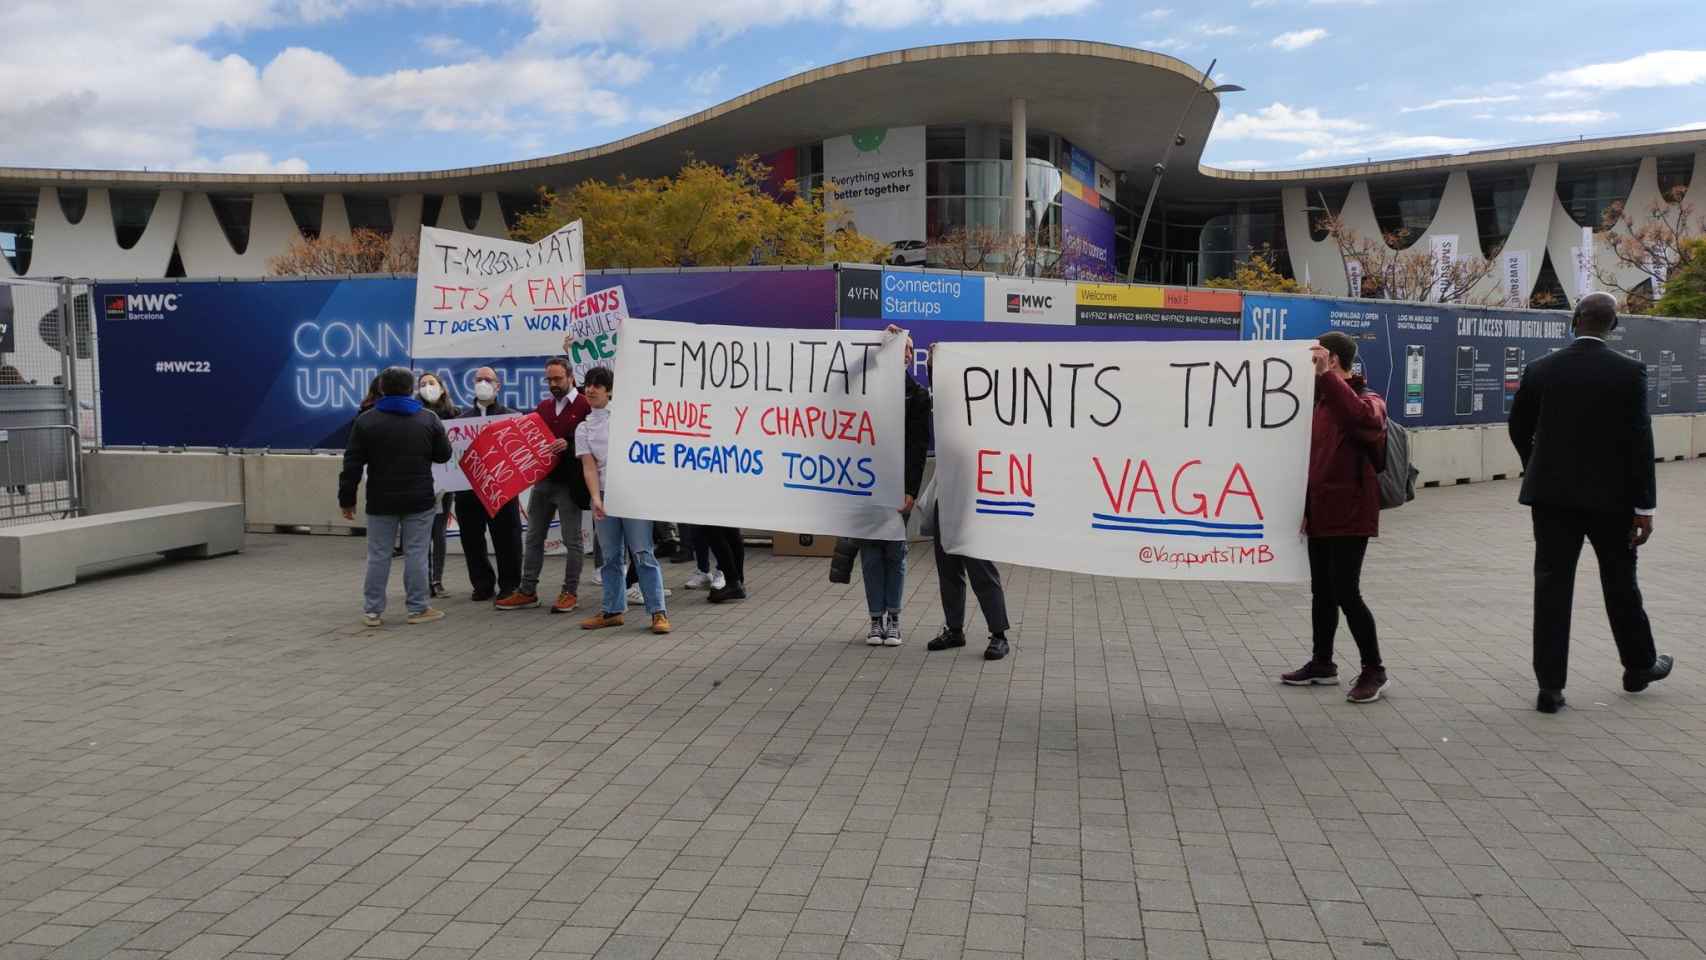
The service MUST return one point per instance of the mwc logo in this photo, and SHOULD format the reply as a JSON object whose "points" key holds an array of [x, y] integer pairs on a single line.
{"points": [[140, 306], [1028, 302]]}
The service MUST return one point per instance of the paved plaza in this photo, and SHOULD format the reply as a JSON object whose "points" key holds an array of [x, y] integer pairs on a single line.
{"points": [[214, 759]]}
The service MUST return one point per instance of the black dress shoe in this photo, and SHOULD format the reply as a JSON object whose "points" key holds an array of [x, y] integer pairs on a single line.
{"points": [[1551, 701], [481, 596], [1635, 681], [733, 592], [997, 648]]}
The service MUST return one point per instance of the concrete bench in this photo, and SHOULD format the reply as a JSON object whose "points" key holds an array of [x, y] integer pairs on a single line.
{"points": [[45, 556]]}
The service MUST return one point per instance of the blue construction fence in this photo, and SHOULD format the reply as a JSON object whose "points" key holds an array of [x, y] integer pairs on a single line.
{"points": [[284, 364]]}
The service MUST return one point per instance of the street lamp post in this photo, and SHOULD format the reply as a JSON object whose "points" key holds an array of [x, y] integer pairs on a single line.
{"points": [[1161, 167]]}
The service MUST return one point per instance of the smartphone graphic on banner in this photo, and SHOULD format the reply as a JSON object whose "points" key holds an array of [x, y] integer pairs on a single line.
{"points": [[1465, 381], [1513, 374], [1667, 364], [1413, 367]]}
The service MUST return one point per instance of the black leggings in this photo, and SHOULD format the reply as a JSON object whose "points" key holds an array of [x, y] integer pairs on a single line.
{"points": [[729, 547], [1335, 580]]}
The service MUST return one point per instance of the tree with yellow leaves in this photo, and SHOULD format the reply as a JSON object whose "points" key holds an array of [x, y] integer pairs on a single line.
{"points": [[704, 216], [1258, 274]]}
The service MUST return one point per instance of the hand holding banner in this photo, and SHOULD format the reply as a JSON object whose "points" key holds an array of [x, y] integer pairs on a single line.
{"points": [[1182, 461], [448, 477], [740, 427], [507, 457]]}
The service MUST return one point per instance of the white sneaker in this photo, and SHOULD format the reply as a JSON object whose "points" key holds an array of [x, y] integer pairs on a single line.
{"points": [[371, 620], [891, 631], [698, 581], [598, 576], [635, 596], [875, 637], [718, 581]]}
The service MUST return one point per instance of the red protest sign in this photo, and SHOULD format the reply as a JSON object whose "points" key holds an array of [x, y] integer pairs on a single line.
{"points": [[507, 458]]}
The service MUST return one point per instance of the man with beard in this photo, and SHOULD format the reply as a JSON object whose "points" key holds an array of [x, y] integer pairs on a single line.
{"points": [[563, 493]]}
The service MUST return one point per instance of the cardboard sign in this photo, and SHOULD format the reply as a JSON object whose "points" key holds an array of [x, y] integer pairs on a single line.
{"points": [[1178, 461], [448, 477], [488, 297], [507, 458], [740, 427]]}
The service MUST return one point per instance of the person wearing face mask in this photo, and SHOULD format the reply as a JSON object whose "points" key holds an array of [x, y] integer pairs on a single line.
{"points": [[505, 528], [562, 493], [436, 400]]}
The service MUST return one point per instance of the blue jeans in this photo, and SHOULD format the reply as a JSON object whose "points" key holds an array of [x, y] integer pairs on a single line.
{"points": [[616, 537], [884, 566], [417, 541]]}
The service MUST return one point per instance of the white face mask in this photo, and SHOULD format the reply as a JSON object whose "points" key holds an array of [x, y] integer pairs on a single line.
{"points": [[485, 390], [431, 392]]}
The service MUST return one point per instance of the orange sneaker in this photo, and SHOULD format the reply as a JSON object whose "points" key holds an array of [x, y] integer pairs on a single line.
{"points": [[601, 620], [518, 601], [566, 603], [660, 623]]}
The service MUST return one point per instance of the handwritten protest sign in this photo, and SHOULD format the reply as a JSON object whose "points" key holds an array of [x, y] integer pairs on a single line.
{"points": [[507, 458], [1179, 461], [489, 297], [448, 477], [741, 427]]}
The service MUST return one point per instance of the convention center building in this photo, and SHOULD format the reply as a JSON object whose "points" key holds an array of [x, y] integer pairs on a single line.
{"points": [[918, 143]]}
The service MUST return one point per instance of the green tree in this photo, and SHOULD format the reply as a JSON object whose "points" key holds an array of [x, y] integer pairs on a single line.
{"points": [[1685, 290], [703, 216]]}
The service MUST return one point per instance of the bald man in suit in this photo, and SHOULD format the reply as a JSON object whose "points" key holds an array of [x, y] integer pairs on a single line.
{"points": [[1580, 424]]}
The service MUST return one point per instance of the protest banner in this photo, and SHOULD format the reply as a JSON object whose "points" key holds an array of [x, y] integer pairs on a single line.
{"points": [[740, 427], [507, 458], [448, 477], [489, 297], [1180, 461]]}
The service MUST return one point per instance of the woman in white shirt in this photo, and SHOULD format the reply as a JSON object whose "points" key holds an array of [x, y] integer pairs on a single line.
{"points": [[617, 536]]}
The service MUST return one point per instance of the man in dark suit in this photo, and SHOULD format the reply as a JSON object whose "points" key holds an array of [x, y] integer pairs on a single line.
{"points": [[1580, 424]]}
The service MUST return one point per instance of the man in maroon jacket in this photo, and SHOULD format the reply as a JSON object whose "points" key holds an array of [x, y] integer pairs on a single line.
{"points": [[563, 493], [1341, 513]]}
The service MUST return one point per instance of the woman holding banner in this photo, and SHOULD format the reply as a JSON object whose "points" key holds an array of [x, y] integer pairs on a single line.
{"points": [[436, 399], [883, 562], [616, 535]]}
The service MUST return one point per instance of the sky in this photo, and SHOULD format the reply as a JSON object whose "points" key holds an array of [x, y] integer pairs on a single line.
{"points": [[328, 86]]}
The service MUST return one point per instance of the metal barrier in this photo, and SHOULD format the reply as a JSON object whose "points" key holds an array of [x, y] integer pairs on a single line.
{"points": [[47, 400]]}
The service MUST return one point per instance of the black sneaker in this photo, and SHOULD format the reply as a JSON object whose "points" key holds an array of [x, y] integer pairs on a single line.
{"points": [[948, 639], [482, 596], [730, 593], [1312, 672], [997, 648]]}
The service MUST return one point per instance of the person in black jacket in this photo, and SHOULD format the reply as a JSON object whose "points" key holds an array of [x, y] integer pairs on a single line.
{"points": [[884, 561], [1580, 423], [396, 443], [471, 519]]}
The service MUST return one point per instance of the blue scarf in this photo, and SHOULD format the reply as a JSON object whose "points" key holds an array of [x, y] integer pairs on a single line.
{"points": [[403, 405]]}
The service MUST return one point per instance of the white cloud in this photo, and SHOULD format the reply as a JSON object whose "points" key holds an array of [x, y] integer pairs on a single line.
{"points": [[1696, 125], [1240, 164], [1298, 39], [154, 90], [1344, 3], [1566, 117], [1159, 13], [251, 162], [1459, 102], [445, 46], [1166, 43], [1661, 68], [1216, 30], [706, 82], [1325, 138], [677, 23]]}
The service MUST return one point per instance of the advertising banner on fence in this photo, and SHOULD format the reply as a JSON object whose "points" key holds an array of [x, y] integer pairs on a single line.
{"points": [[1023, 300], [736, 427], [284, 364], [490, 297], [1118, 304], [1179, 461], [932, 296]]}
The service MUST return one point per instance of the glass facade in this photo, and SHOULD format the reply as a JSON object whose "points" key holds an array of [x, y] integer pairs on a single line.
{"points": [[1405, 209], [232, 210], [131, 210], [369, 212], [1586, 191], [18, 225], [1674, 173], [306, 209], [1498, 199]]}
